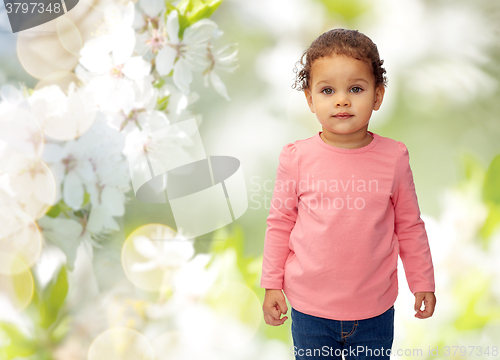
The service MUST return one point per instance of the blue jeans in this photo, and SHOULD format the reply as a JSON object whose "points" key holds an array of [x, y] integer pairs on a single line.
{"points": [[316, 338]]}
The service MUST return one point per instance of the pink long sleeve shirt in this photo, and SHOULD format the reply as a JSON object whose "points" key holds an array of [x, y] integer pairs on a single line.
{"points": [[338, 220]]}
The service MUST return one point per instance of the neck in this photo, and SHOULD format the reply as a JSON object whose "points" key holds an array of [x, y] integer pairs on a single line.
{"points": [[353, 140]]}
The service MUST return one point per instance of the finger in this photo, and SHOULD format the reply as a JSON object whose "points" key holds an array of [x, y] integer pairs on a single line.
{"points": [[423, 314], [429, 308], [429, 304], [418, 303], [420, 314], [432, 305], [274, 313], [282, 305], [273, 310], [270, 320]]}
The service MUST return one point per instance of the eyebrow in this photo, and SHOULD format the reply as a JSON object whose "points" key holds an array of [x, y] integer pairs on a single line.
{"points": [[359, 79]]}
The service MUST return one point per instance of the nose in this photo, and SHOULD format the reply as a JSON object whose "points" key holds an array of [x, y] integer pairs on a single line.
{"points": [[342, 100]]}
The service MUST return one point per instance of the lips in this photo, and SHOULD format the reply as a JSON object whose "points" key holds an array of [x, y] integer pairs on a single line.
{"points": [[343, 115]]}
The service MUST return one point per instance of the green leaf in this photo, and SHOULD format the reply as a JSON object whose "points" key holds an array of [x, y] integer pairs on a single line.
{"points": [[159, 83], [67, 239], [86, 198], [183, 25], [162, 103], [61, 206], [490, 225], [59, 333], [202, 9], [348, 9], [58, 289], [80, 213], [19, 344], [191, 11], [33, 309], [491, 197], [246, 264], [480, 308], [54, 211], [491, 188], [472, 167], [53, 297], [184, 6]]}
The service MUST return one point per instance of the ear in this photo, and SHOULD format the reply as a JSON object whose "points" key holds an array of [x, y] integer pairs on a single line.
{"points": [[379, 96], [307, 93]]}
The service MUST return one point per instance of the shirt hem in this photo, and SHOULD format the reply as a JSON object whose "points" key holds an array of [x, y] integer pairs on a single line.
{"points": [[342, 317], [424, 290], [271, 286]]}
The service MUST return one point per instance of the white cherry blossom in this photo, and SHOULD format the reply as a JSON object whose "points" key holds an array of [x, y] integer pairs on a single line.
{"points": [[154, 38], [178, 104], [12, 97], [112, 181], [69, 235], [71, 169], [143, 114], [152, 7], [20, 131], [112, 67], [187, 54], [25, 183], [220, 59], [61, 116], [92, 162]]}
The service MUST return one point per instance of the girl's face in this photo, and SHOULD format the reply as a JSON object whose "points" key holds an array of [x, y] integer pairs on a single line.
{"points": [[342, 94]]}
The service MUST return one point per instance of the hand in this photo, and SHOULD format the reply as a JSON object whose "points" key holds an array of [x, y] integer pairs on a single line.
{"points": [[274, 306], [429, 300]]}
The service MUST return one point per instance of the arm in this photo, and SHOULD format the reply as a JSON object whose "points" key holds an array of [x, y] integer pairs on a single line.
{"points": [[413, 242], [281, 219]]}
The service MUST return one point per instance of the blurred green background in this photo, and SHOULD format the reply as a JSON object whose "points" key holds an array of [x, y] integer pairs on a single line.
{"points": [[443, 67]]}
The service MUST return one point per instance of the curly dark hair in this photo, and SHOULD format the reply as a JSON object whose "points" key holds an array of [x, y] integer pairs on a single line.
{"points": [[341, 42]]}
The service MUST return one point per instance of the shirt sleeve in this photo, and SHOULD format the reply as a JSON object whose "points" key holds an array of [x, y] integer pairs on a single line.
{"points": [[281, 220], [410, 229]]}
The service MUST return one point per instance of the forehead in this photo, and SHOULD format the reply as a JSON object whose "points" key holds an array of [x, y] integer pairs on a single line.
{"points": [[340, 67]]}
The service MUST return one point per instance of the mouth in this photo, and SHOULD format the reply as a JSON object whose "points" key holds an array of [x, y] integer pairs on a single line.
{"points": [[343, 116]]}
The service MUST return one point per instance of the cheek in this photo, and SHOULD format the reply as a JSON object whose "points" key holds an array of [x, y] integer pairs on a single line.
{"points": [[321, 106]]}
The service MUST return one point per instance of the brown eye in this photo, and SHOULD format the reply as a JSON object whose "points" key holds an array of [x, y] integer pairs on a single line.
{"points": [[356, 89], [327, 91]]}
